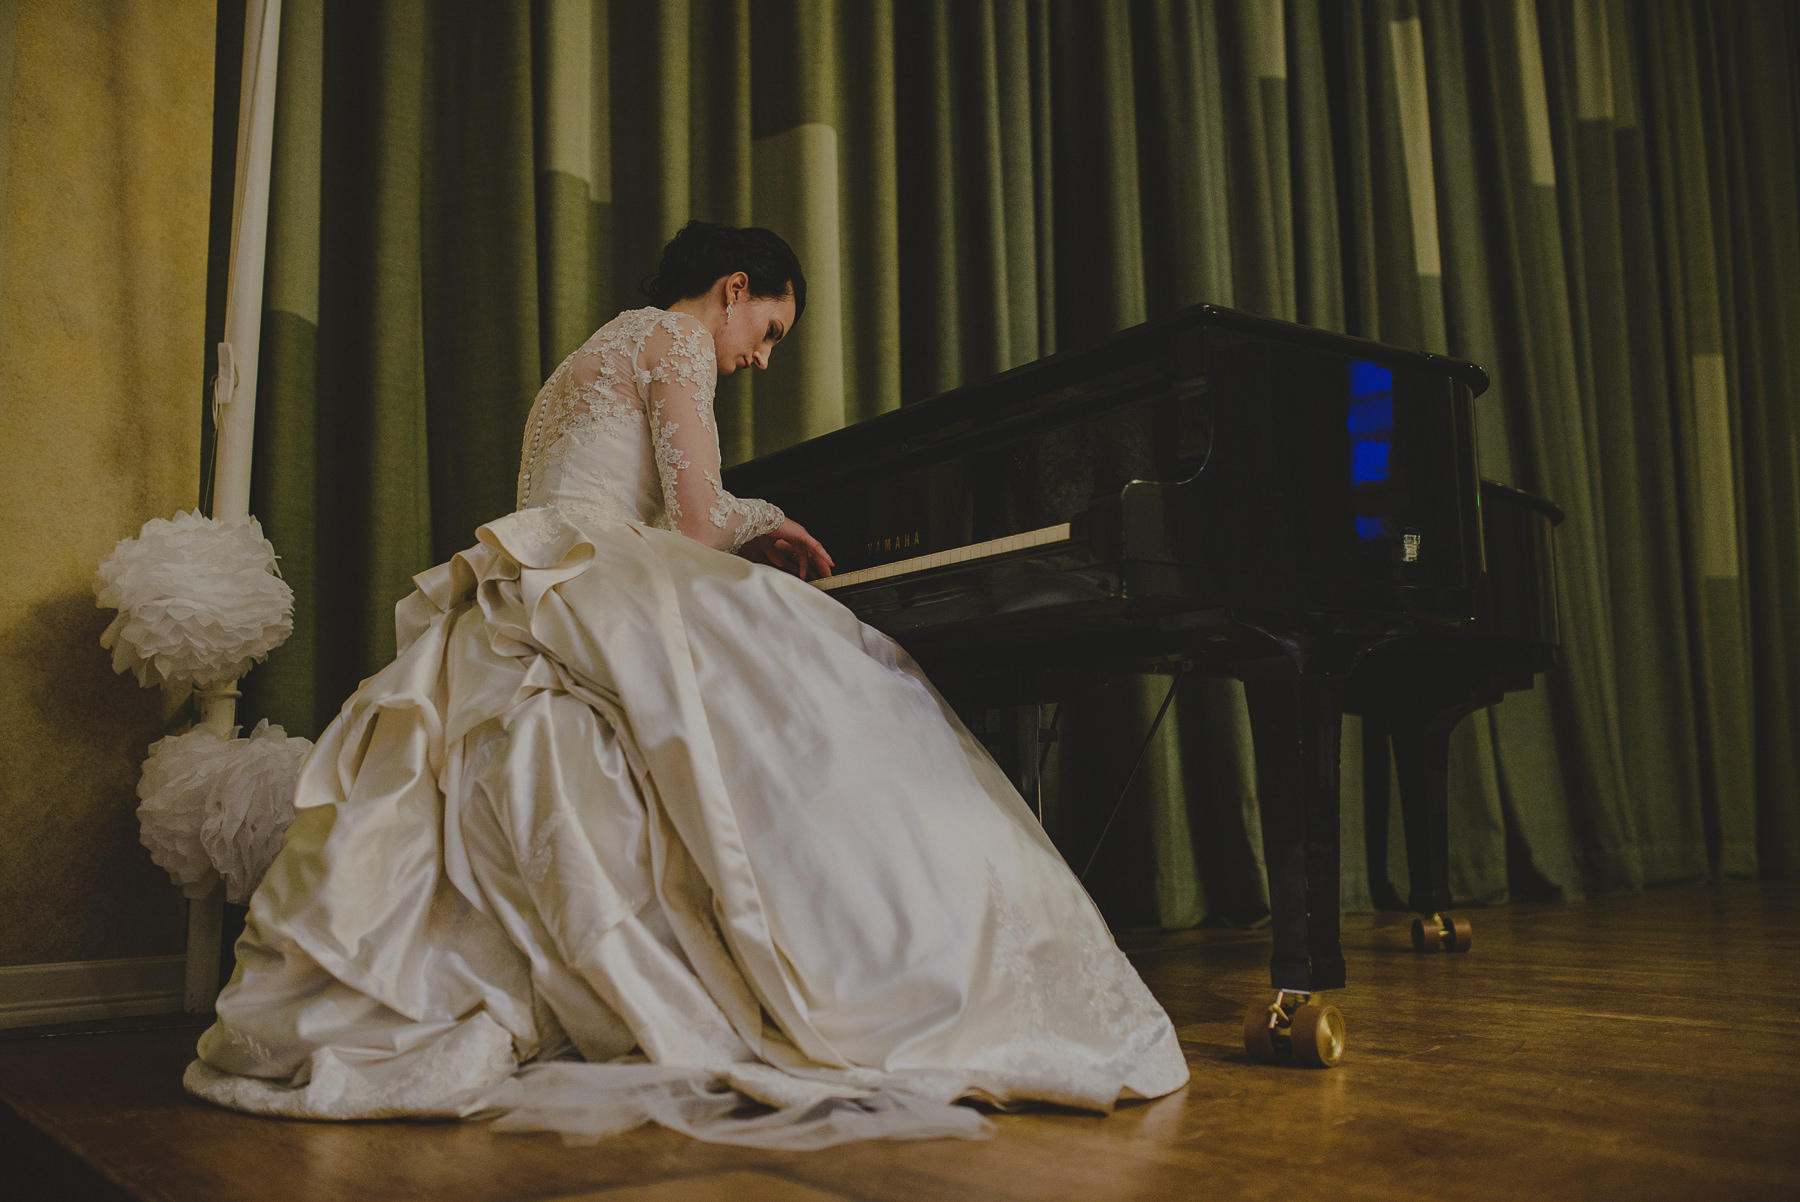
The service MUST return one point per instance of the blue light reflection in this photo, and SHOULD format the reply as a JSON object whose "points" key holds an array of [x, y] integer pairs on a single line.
{"points": [[1369, 461], [1370, 421], [1370, 379]]}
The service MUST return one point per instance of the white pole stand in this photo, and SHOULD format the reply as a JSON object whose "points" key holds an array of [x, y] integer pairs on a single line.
{"points": [[206, 917], [205, 933], [234, 406]]}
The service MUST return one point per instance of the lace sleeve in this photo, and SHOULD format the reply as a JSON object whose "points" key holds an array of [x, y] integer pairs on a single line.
{"points": [[682, 373]]}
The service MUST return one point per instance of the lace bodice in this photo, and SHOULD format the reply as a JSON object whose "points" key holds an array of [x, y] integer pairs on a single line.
{"points": [[623, 431]]}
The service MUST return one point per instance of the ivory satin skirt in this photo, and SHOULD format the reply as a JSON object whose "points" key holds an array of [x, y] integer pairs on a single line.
{"points": [[676, 832]]}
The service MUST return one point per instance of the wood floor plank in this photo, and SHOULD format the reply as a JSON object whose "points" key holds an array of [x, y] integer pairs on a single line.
{"points": [[1638, 1047], [740, 1185]]}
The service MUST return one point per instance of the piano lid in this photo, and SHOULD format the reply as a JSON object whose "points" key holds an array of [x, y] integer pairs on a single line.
{"points": [[1049, 391]]}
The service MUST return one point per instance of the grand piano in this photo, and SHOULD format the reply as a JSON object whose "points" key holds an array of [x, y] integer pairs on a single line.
{"points": [[1220, 492]]}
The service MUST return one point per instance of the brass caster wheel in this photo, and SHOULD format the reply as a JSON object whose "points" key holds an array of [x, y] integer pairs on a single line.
{"points": [[1317, 1036], [1441, 934], [1294, 1030]]}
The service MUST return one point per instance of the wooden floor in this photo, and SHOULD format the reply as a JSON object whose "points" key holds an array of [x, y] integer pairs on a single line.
{"points": [[1635, 1048]]}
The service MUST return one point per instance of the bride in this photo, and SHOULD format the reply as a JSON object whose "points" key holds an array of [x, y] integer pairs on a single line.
{"points": [[639, 809]]}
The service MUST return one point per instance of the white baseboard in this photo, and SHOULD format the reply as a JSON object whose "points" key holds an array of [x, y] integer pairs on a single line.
{"points": [[33, 995]]}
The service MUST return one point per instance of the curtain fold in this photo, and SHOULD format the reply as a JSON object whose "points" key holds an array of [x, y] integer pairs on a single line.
{"points": [[1592, 198]]}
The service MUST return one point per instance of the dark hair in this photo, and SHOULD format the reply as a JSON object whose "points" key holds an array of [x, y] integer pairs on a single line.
{"points": [[701, 253]]}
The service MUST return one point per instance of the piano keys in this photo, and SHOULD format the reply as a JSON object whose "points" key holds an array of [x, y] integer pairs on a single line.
{"points": [[1297, 508], [992, 549]]}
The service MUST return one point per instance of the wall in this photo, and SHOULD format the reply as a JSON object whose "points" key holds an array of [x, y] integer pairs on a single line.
{"points": [[105, 155]]}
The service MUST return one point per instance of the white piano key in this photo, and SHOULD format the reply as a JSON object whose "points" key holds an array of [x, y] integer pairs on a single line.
{"points": [[938, 559]]}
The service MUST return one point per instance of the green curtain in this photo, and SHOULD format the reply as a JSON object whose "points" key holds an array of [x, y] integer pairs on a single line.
{"points": [[1595, 199]]}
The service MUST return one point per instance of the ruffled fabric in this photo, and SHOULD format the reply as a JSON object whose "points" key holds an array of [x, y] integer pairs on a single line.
{"points": [[199, 600], [625, 797], [216, 808], [440, 1073], [587, 1103]]}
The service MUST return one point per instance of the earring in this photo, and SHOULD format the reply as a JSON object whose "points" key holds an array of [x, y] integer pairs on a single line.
{"points": [[727, 312]]}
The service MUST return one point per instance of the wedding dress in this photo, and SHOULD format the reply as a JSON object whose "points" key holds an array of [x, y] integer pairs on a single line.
{"points": [[671, 828]]}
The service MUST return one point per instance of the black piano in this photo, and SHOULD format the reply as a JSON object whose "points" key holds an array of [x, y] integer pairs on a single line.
{"points": [[1226, 493]]}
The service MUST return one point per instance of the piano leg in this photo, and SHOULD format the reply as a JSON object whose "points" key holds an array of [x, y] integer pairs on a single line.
{"points": [[1296, 723], [1422, 757], [1028, 743], [1013, 737], [1375, 814]]}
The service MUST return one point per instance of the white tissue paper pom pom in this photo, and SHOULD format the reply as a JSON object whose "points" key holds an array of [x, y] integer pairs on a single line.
{"points": [[198, 600], [216, 807]]}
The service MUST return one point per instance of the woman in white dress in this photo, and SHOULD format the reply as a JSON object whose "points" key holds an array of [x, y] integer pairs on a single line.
{"points": [[637, 807]]}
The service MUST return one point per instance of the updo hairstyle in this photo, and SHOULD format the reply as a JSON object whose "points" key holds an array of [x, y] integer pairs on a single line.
{"points": [[701, 253]]}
